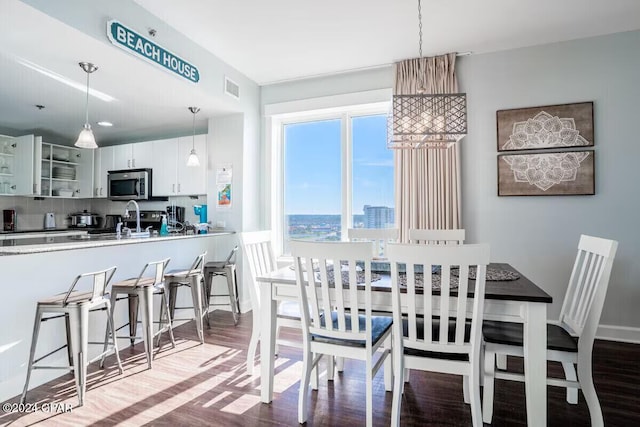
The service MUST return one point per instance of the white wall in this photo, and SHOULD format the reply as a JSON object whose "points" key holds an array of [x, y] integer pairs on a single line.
{"points": [[539, 235]]}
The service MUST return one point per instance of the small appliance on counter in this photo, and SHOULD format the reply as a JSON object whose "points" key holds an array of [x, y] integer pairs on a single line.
{"points": [[202, 211], [111, 221], [151, 219], [9, 219], [175, 214], [49, 220], [84, 219]]}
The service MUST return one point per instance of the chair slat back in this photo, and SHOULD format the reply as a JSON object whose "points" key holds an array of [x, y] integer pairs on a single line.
{"points": [[437, 318], [258, 252], [327, 275], [198, 265], [157, 269], [437, 237], [587, 288], [100, 281], [379, 236]]}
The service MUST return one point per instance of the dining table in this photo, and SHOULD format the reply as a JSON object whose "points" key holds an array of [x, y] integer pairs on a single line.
{"points": [[515, 300]]}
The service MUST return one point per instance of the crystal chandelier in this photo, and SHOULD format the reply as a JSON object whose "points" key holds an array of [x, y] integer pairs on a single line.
{"points": [[426, 120]]}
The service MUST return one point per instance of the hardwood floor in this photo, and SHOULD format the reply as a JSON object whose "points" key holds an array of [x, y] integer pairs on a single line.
{"points": [[207, 385]]}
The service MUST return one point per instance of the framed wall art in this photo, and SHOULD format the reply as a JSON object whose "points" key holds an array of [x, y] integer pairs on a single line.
{"points": [[551, 126], [546, 174]]}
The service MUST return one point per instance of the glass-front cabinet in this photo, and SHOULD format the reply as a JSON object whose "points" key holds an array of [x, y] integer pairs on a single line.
{"points": [[63, 171], [16, 165]]}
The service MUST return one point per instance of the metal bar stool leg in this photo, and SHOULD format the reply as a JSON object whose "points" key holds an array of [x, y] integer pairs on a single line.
{"points": [[229, 272], [111, 329], [205, 299], [173, 291], [79, 325], [145, 296], [32, 353], [168, 319], [196, 296], [134, 302]]}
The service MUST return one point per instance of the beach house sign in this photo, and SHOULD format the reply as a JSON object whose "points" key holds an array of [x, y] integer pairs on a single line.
{"points": [[134, 43]]}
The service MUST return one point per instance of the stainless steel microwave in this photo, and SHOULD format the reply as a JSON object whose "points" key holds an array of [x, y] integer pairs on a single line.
{"points": [[129, 184]]}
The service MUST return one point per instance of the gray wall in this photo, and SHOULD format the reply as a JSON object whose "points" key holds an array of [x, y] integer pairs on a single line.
{"points": [[539, 235]]}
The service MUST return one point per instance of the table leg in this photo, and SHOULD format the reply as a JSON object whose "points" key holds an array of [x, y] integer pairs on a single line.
{"points": [[535, 363], [268, 309]]}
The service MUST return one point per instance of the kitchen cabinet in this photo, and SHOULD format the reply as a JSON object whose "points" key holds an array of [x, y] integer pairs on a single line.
{"points": [[62, 171], [133, 156], [103, 163], [16, 165], [171, 175]]}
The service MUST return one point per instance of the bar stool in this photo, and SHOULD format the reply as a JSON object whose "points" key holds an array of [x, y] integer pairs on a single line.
{"points": [[193, 278], [75, 306], [225, 268], [140, 291]]}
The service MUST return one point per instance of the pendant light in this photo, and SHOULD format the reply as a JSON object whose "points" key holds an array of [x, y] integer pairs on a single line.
{"points": [[193, 157], [424, 120], [86, 138]]}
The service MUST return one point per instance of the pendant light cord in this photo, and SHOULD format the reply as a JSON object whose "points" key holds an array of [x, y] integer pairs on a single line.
{"points": [[420, 26], [193, 133], [86, 119]]}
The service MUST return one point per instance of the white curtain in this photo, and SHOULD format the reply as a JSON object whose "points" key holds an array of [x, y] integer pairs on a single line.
{"points": [[427, 181]]}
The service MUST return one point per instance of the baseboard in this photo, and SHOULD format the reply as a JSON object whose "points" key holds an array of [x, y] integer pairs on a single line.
{"points": [[618, 333]]}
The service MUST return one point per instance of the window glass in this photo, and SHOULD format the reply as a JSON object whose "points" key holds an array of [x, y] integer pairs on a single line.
{"points": [[312, 181], [372, 173]]}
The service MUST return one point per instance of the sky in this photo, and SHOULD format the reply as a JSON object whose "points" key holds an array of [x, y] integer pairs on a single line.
{"points": [[313, 166]]}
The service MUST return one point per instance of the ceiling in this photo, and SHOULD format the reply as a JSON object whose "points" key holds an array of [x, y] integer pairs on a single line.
{"points": [[268, 41], [276, 40]]}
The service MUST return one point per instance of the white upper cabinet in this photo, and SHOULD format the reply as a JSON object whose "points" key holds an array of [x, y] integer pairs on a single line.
{"points": [[171, 175], [103, 163], [133, 156], [16, 165]]}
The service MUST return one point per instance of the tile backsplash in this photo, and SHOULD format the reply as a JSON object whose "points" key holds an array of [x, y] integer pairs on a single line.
{"points": [[30, 212]]}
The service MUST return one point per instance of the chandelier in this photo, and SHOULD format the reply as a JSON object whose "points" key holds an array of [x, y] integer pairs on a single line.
{"points": [[424, 120]]}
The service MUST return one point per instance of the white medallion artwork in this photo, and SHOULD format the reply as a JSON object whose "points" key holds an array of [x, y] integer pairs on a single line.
{"points": [[545, 170], [544, 131]]}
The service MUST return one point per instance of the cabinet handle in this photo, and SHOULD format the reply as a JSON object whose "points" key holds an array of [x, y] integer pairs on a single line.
{"points": [[101, 191], [173, 188], [133, 162], [129, 163], [178, 187], [35, 188]]}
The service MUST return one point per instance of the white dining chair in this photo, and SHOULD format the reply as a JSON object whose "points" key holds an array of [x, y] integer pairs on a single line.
{"points": [[258, 252], [570, 340], [379, 236], [438, 333], [437, 237], [337, 288]]}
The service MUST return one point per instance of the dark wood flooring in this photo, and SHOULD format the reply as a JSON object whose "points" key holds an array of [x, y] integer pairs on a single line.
{"points": [[207, 385]]}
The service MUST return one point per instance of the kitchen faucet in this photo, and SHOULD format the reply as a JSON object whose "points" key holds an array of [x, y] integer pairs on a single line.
{"points": [[138, 232]]}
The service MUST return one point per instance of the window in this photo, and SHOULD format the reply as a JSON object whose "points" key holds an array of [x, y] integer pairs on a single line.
{"points": [[334, 173]]}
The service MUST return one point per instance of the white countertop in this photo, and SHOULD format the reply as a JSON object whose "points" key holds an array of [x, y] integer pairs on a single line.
{"points": [[63, 243]]}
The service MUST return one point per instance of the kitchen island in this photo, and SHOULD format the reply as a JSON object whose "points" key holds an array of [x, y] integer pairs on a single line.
{"points": [[33, 269]]}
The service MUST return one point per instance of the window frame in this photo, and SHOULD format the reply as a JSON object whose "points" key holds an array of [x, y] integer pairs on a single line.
{"points": [[276, 126]]}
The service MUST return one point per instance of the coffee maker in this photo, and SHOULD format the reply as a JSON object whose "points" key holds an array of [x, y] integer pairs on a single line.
{"points": [[175, 214]]}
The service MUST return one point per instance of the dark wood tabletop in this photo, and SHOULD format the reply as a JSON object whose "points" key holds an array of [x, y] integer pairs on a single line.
{"points": [[521, 289]]}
